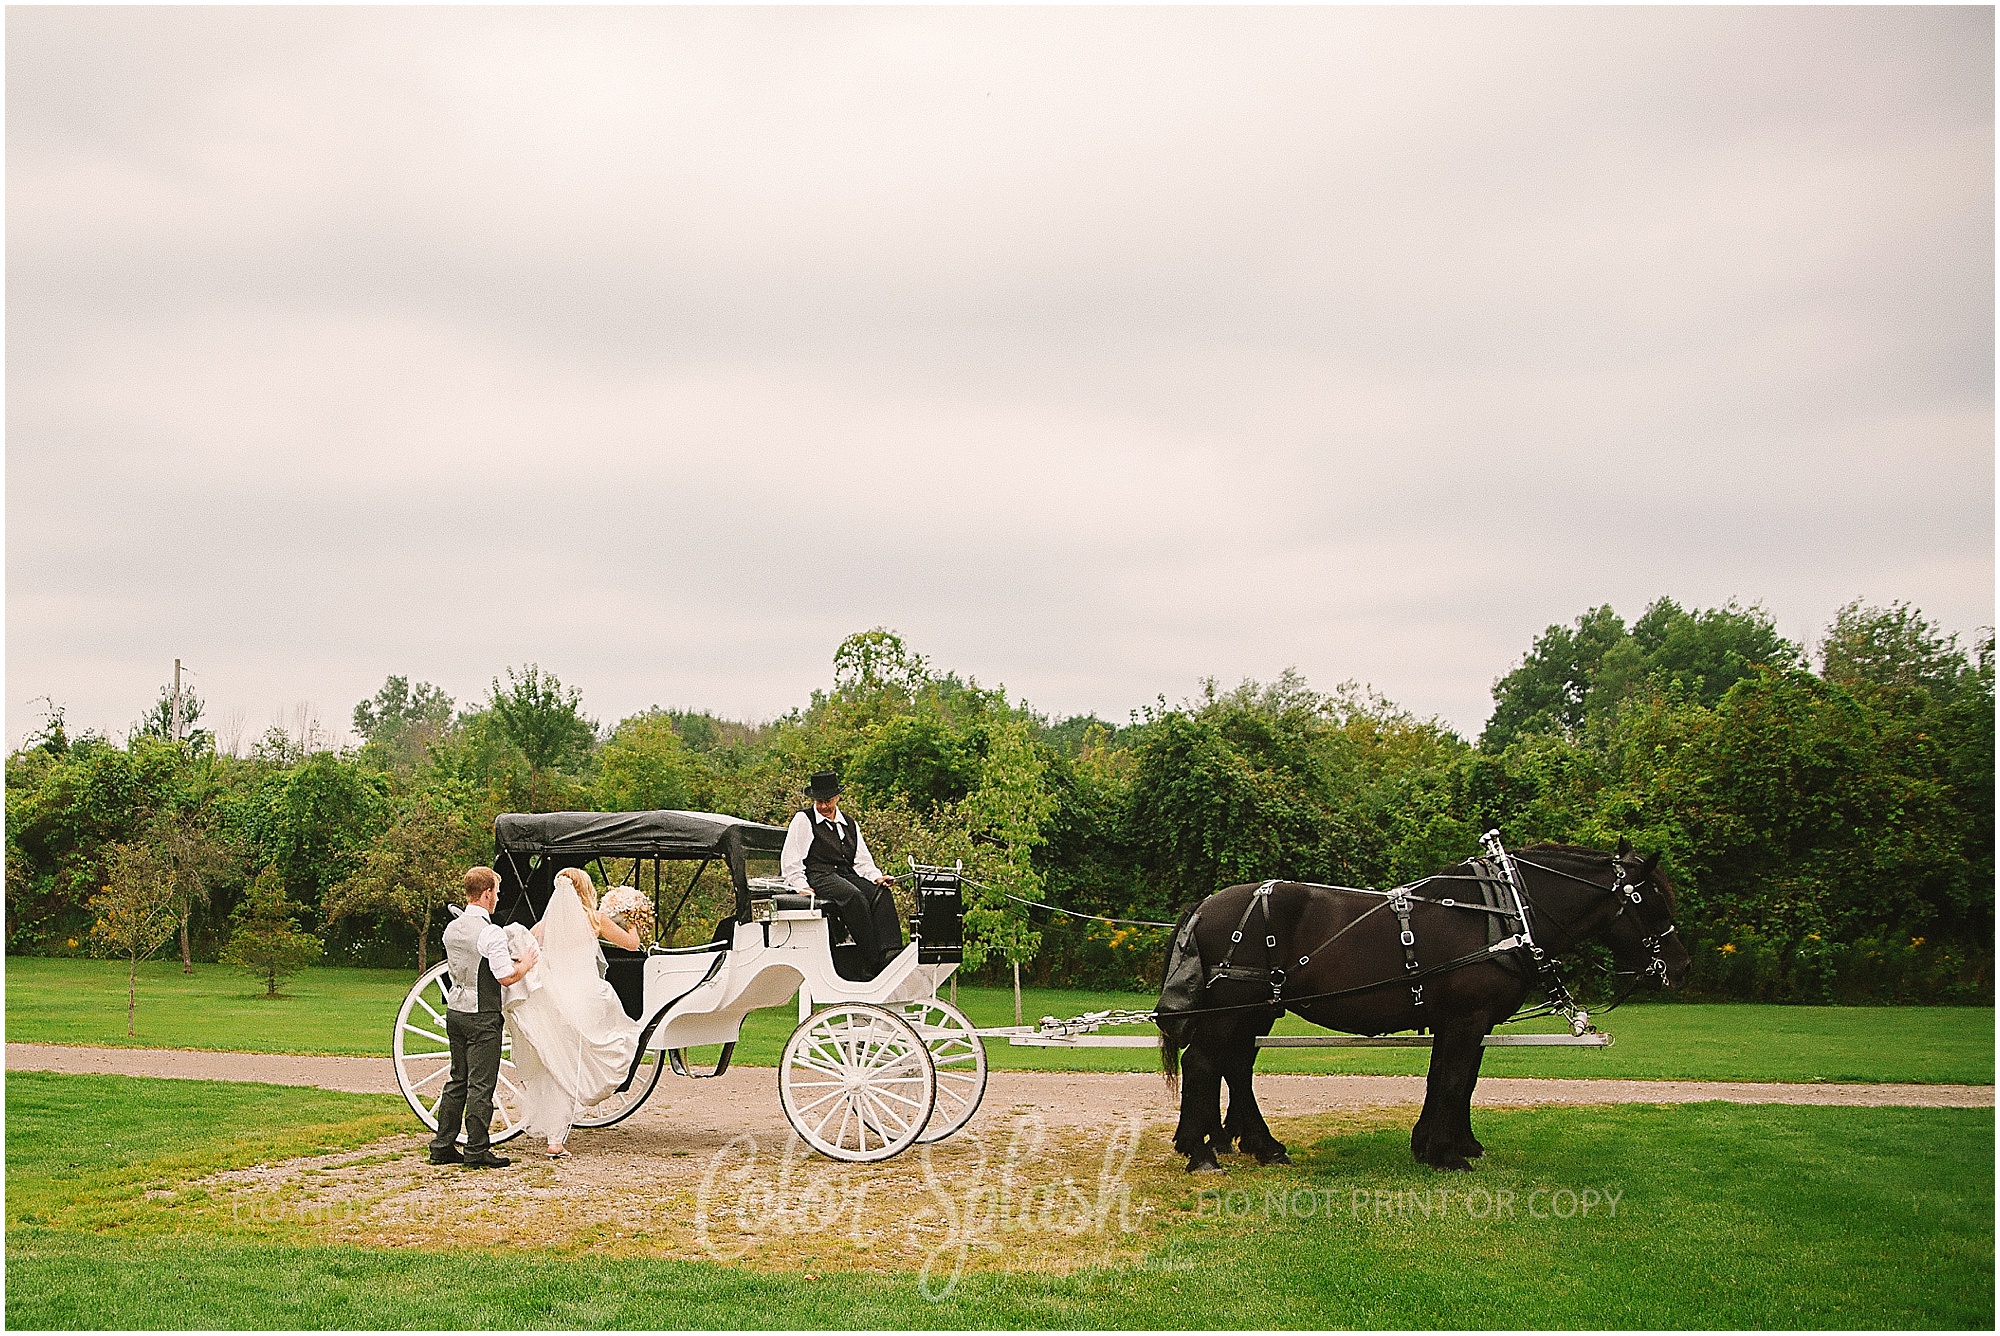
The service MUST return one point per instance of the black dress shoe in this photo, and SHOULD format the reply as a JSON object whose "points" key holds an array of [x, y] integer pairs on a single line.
{"points": [[447, 1156], [487, 1161]]}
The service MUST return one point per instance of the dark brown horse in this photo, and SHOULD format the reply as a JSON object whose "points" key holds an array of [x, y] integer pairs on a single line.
{"points": [[1447, 953]]}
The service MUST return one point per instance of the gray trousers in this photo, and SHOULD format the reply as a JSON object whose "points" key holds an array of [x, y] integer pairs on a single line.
{"points": [[475, 1070]]}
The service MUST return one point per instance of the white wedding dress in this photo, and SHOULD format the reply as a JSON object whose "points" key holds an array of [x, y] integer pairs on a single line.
{"points": [[573, 1042]]}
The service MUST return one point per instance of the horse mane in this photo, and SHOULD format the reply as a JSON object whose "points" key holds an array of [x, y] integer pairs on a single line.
{"points": [[1577, 850]]}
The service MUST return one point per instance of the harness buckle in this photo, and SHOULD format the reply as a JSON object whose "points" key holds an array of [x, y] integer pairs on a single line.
{"points": [[1236, 936], [1409, 938], [1270, 942]]}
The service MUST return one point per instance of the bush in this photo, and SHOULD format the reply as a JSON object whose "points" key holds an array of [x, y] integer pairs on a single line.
{"points": [[1880, 969]]}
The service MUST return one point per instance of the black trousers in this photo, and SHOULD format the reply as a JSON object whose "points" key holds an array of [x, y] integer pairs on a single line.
{"points": [[475, 1070], [868, 910]]}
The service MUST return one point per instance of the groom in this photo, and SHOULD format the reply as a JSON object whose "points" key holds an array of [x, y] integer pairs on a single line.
{"points": [[481, 965]]}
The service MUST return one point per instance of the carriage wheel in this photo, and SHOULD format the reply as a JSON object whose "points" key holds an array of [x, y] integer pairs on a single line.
{"points": [[960, 1060], [856, 1083], [423, 1060], [617, 1107]]}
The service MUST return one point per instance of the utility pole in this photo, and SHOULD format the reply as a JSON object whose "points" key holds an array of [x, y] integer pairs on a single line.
{"points": [[177, 701]]}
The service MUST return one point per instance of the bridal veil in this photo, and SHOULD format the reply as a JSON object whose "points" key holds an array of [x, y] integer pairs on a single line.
{"points": [[573, 1042]]}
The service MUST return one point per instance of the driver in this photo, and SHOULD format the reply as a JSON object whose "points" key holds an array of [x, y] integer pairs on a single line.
{"points": [[825, 855]]}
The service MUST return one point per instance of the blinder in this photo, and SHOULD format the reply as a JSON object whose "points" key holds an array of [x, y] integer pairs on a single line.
{"points": [[1652, 942]]}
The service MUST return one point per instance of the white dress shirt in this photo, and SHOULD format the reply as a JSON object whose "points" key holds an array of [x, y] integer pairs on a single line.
{"points": [[493, 947], [799, 838]]}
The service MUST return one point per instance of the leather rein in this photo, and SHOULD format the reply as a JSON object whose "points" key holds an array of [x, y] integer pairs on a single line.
{"points": [[1399, 901]]}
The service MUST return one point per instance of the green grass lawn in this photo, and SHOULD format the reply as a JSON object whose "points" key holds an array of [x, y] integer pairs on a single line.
{"points": [[350, 1011], [1727, 1216]]}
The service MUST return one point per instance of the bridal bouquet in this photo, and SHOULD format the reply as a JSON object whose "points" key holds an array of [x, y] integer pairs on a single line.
{"points": [[631, 911]]}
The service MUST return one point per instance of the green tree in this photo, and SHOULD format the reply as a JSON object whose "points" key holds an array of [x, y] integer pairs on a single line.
{"points": [[63, 814], [869, 662], [411, 872], [195, 863], [53, 736], [1890, 654], [1546, 693], [1005, 815], [134, 915], [399, 723], [313, 820], [1574, 677], [921, 757], [1933, 703], [265, 942], [475, 756], [1711, 650], [1203, 815], [644, 766], [159, 721], [544, 719]]}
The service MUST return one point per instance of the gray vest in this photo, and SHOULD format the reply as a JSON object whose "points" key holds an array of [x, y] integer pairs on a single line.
{"points": [[473, 986]]}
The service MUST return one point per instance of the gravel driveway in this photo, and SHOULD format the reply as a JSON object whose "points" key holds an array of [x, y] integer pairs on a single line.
{"points": [[745, 1099]]}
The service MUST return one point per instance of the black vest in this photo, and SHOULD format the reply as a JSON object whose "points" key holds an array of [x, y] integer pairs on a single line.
{"points": [[828, 854], [489, 987], [461, 943]]}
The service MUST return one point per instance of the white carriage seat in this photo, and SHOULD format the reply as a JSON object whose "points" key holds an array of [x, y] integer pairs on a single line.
{"points": [[837, 930]]}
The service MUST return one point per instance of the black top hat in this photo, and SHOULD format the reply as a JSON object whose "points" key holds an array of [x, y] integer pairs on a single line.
{"points": [[825, 784]]}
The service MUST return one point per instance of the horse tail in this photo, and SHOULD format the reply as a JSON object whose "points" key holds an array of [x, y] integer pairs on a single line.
{"points": [[1174, 1031]]}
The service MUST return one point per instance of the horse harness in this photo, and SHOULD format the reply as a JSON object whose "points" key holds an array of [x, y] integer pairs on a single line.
{"points": [[1497, 880]]}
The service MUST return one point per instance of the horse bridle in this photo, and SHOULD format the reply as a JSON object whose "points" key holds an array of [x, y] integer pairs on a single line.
{"points": [[1630, 900]]}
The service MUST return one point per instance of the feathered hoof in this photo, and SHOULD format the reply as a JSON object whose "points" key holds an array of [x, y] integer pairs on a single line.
{"points": [[1204, 1164], [1277, 1156]]}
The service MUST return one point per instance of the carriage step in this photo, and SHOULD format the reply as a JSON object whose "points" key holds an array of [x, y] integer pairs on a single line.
{"points": [[678, 1057]]}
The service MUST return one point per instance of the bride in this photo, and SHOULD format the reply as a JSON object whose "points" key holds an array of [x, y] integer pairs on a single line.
{"points": [[573, 1042]]}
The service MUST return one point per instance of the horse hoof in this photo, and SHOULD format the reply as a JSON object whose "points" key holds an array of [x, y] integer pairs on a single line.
{"points": [[1453, 1164], [1472, 1152], [1204, 1166], [1274, 1157]]}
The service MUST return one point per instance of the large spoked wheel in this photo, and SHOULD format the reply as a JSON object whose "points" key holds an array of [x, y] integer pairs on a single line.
{"points": [[423, 1060], [959, 1059], [617, 1107], [856, 1083]]}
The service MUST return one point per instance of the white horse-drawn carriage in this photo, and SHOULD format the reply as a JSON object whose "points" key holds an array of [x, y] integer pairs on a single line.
{"points": [[875, 1066]]}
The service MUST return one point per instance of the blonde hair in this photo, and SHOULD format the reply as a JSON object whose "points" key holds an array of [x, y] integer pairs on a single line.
{"points": [[581, 881]]}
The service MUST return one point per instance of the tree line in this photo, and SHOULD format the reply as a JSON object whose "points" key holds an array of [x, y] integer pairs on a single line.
{"points": [[1825, 813]]}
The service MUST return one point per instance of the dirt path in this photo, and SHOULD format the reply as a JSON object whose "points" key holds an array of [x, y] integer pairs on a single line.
{"points": [[745, 1099]]}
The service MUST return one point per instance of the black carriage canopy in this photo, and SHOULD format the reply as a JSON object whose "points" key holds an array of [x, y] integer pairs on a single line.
{"points": [[529, 849]]}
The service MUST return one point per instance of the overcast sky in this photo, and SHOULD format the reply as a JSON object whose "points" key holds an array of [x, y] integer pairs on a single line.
{"points": [[1094, 351]]}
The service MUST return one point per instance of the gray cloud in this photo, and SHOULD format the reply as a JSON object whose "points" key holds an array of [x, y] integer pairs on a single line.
{"points": [[1095, 350]]}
